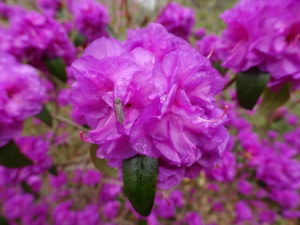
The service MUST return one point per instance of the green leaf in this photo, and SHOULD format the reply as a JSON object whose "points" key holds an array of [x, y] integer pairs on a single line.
{"points": [[79, 39], [28, 189], [101, 164], [12, 157], [3, 221], [111, 31], [272, 100], [140, 178], [53, 170], [45, 116], [249, 86], [57, 67]]}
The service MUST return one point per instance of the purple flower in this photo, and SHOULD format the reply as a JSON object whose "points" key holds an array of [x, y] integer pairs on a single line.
{"points": [[91, 18], [90, 215], [111, 209], [199, 33], [177, 19], [91, 177], [244, 187], [153, 95], [225, 169], [109, 192], [176, 198], [242, 212], [49, 7], [193, 218], [292, 119], [291, 214], [62, 214], [287, 198], [263, 34], [18, 205], [21, 96], [33, 36], [164, 208], [207, 47]]}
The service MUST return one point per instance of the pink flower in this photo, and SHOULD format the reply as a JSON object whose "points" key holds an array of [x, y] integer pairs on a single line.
{"points": [[152, 95], [177, 19], [21, 96]]}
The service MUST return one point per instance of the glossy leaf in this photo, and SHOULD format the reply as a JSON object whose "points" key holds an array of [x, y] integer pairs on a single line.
{"points": [[45, 116], [3, 221], [249, 86], [101, 164], [12, 157], [53, 170], [272, 100], [140, 178], [57, 67]]}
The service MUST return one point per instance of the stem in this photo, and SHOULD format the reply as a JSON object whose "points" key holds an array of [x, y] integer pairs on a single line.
{"points": [[230, 83], [69, 122], [127, 13]]}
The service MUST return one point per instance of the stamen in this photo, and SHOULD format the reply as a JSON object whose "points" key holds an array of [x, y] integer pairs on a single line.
{"points": [[212, 51], [166, 198], [81, 134], [225, 112]]}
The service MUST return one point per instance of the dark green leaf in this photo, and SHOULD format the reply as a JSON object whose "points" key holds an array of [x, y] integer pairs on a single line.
{"points": [[111, 31], [79, 39], [249, 86], [12, 157], [27, 189], [140, 178], [218, 66], [3, 221], [142, 222], [274, 99], [53, 170], [101, 164], [57, 67], [45, 116]]}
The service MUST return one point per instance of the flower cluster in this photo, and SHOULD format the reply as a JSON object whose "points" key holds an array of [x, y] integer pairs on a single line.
{"points": [[177, 20], [90, 19], [263, 34], [22, 94], [152, 95], [34, 37]]}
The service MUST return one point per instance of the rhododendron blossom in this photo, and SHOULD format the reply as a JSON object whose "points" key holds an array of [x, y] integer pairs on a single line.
{"points": [[263, 34], [90, 18], [21, 96], [177, 19], [152, 95]]}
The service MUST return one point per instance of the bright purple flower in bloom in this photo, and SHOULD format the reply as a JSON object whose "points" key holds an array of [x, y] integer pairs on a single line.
{"points": [[263, 34], [291, 214], [21, 96], [244, 187], [34, 37], [199, 33], [49, 7], [207, 47], [286, 198], [292, 119], [91, 18], [193, 218], [225, 169], [91, 177], [153, 95], [243, 212], [177, 19], [109, 192], [111, 209]]}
